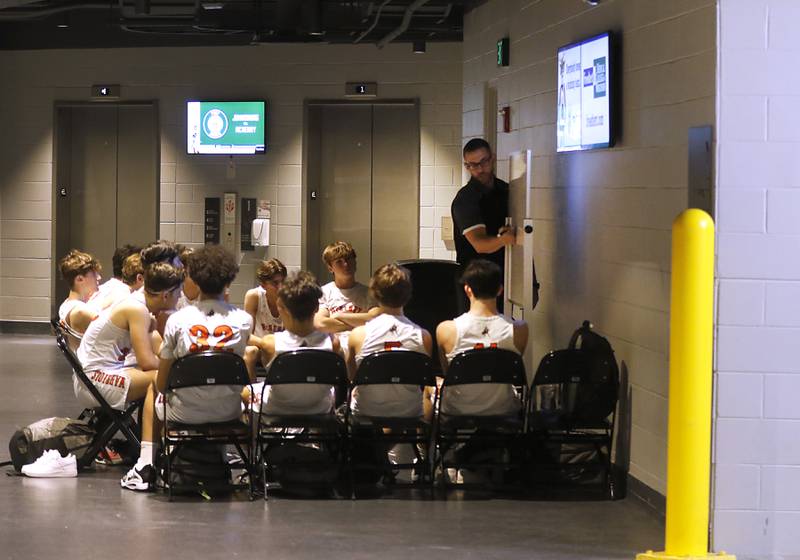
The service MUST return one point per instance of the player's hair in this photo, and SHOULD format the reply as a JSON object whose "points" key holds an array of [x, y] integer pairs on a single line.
{"points": [[269, 269], [131, 268], [212, 268], [162, 277], [336, 251], [476, 144], [76, 263], [391, 285], [300, 294], [183, 252], [118, 260], [484, 278], [159, 251]]}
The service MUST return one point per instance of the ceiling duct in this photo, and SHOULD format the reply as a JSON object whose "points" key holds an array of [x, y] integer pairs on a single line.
{"points": [[417, 4]]}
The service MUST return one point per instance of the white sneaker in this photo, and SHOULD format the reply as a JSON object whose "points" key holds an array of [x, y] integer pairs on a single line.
{"points": [[52, 465]]}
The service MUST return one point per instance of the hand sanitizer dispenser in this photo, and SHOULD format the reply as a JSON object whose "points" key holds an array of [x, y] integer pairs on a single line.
{"points": [[259, 232]]}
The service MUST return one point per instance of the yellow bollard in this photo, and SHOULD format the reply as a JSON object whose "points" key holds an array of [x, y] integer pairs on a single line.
{"points": [[690, 375]]}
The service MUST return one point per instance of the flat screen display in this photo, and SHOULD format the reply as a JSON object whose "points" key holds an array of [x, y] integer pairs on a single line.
{"points": [[225, 127], [583, 118]]}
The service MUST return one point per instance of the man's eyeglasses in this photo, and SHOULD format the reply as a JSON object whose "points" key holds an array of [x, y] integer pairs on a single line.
{"points": [[469, 166]]}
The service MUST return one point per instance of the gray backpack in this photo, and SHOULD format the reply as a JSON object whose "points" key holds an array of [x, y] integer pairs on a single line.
{"points": [[63, 434]]}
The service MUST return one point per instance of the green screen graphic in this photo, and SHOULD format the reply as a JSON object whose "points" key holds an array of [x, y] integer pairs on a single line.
{"points": [[235, 127]]}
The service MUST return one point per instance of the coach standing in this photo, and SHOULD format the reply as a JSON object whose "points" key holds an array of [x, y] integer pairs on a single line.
{"points": [[480, 208]]}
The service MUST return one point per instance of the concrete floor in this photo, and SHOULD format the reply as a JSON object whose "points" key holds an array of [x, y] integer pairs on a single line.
{"points": [[90, 516]]}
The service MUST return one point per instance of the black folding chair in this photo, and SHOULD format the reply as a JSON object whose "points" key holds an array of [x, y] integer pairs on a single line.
{"points": [[105, 420], [206, 369], [561, 417], [391, 368], [478, 430], [305, 366]]}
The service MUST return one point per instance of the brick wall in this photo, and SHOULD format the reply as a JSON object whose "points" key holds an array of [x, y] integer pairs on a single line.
{"points": [[757, 447], [285, 75], [602, 218]]}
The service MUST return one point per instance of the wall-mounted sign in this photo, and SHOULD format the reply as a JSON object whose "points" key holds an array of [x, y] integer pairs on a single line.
{"points": [[361, 89], [212, 221]]}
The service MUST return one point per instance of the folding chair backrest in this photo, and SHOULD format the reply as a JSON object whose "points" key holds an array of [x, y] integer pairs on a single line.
{"points": [[401, 367], [208, 368], [307, 365], [486, 365], [63, 345]]}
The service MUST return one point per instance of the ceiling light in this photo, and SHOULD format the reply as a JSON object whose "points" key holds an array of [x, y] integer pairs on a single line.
{"points": [[418, 47], [212, 5]]}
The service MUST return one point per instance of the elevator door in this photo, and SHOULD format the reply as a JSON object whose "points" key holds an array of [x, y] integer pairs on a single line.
{"points": [[363, 183], [106, 185]]}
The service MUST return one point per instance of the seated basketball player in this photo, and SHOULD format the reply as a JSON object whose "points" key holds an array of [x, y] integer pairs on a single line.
{"points": [[345, 303], [82, 272], [298, 301], [110, 338], [262, 302], [390, 286], [132, 274], [480, 327], [114, 289]]}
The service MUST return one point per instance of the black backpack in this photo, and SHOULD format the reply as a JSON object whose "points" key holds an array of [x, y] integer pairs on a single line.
{"points": [[593, 396], [62, 434], [200, 468]]}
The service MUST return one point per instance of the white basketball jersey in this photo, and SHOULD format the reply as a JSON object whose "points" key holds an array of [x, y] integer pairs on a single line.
{"points": [[207, 325], [63, 315], [109, 294], [104, 345], [266, 322], [348, 300], [184, 301], [138, 296], [298, 398], [475, 332], [389, 332]]}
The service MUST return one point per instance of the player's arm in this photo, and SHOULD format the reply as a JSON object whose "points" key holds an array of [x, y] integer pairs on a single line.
{"points": [[251, 303], [139, 322], [354, 343], [80, 317], [353, 320], [164, 365], [445, 339], [325, 323], [520, 335], [267, 347]]}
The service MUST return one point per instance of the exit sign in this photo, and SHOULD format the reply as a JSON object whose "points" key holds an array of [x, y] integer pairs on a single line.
{"points": [[502, 51]]}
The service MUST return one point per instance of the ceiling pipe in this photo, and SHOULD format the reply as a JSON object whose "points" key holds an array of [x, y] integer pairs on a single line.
{"points": [[374, 22], [44, 12], [403, 24]]}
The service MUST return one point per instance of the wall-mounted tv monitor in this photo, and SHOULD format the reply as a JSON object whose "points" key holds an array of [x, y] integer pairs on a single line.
{"points": [[225, 127], [584, 113]]}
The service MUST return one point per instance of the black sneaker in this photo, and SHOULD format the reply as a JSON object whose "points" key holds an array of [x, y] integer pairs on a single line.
{"points": [[141, 480]]}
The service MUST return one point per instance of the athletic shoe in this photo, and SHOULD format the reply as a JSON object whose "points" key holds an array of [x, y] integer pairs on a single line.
{"points": [[141, 480], [108, 456], [52, 465]]}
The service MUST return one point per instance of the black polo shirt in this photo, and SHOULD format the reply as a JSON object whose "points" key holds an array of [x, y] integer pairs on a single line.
{"points": [[477, 205]]}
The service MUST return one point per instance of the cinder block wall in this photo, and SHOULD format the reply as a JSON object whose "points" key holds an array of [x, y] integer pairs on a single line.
{"points": [[285, 75], [757, 448], [602, 218]]}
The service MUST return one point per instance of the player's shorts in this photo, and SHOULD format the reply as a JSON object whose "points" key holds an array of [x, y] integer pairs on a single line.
{"points": [[113, 385]]}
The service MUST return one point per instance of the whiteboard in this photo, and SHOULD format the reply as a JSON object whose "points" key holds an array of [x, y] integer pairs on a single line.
{"points": [[519, 205]]}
